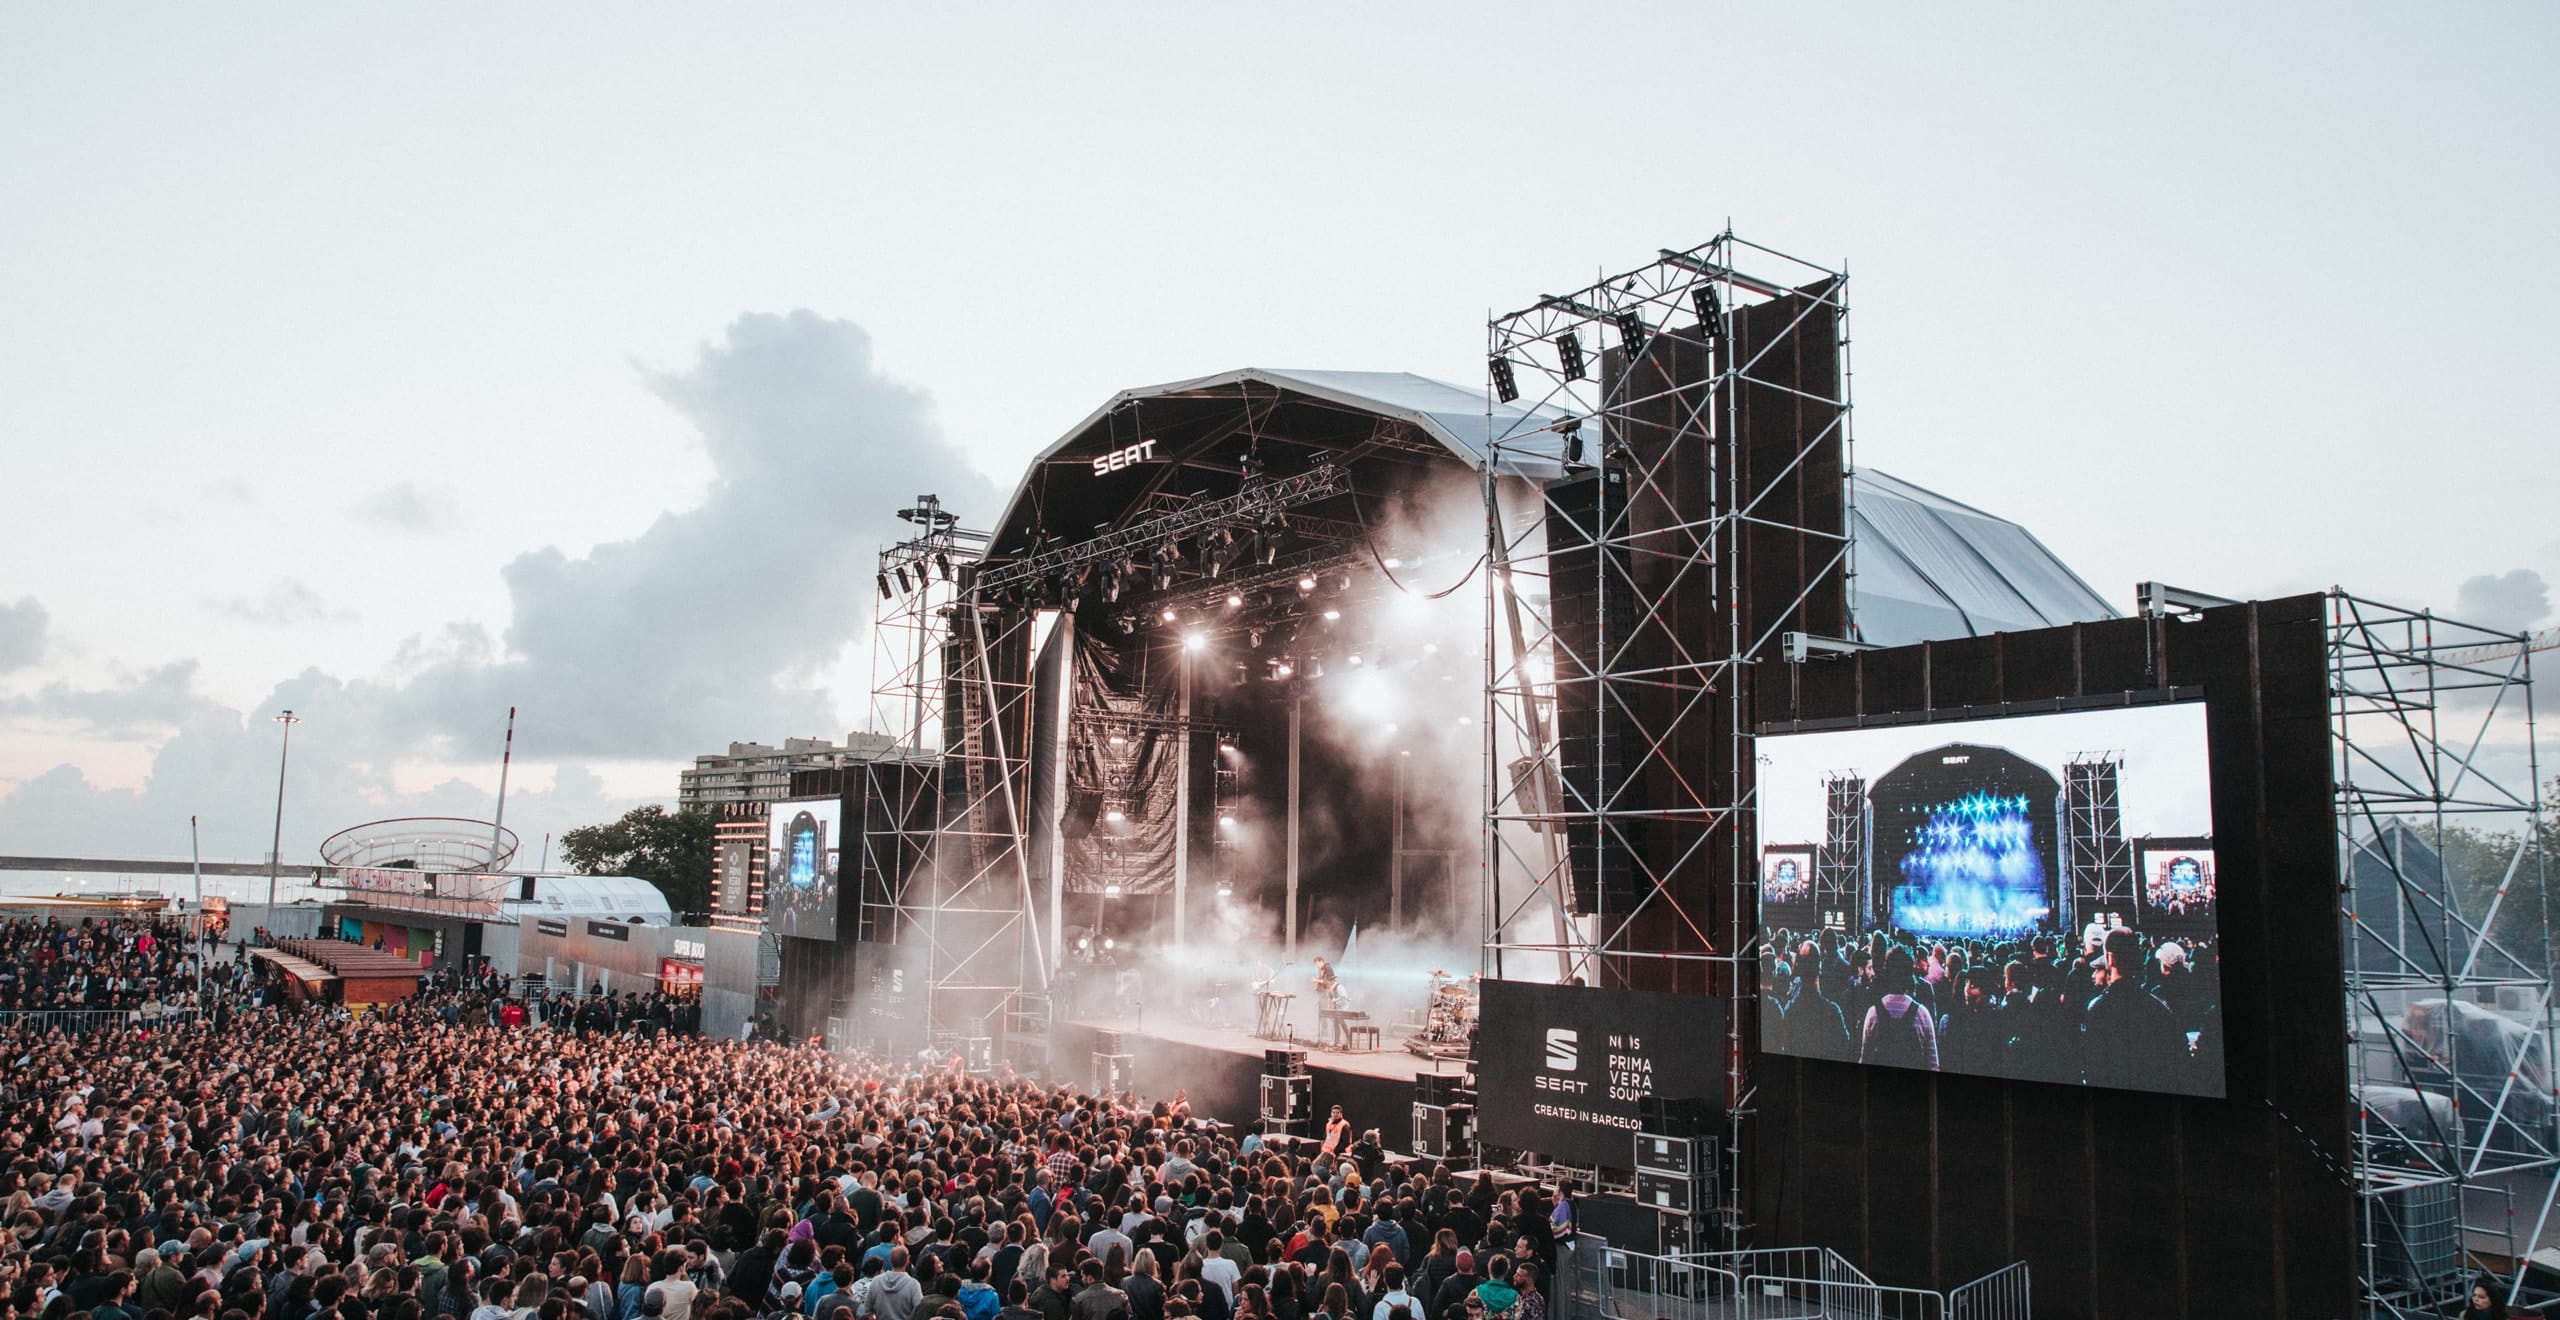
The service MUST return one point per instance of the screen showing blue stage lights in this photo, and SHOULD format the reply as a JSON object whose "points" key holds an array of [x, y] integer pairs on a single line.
{"points": [[2028, 896], [801, 856]]}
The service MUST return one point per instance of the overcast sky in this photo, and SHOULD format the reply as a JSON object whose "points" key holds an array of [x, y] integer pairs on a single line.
{"points": [[401, 363]]}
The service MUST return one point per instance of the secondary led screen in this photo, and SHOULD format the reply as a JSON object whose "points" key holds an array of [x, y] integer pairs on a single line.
{"points": [[800, 869], [2028, 896]]}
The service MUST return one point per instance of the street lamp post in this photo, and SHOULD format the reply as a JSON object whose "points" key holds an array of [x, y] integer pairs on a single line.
{"points": [[275, 851]]}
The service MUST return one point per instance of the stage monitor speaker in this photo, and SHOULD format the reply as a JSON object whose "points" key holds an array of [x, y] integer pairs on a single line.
{"points": [[1284, 1063], [1443, 1089], [1670, 1193], [1108, 1041], [1112, 1073], [1664, 1116], [1593, 600]]}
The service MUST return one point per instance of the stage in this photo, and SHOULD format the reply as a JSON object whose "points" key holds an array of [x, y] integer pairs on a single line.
{"points": [[1221, 1069]]}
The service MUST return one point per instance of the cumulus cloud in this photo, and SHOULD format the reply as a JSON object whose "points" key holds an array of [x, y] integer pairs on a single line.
{"points": [[147, 705], [22, 634], [406, 506], [2514, 600], [684, 637], [289, 603], [697, 631]]}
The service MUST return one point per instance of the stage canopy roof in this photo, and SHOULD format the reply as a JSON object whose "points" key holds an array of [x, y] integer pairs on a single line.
{"points": [[1928, 566]]}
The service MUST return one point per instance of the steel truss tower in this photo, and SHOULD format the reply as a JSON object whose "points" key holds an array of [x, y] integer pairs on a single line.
{"points": [[2448, 991], [2099, 875], [1705, 396], [942, 869]]}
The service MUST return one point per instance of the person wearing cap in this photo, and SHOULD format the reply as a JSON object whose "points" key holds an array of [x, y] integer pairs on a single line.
{"points": [[1455, 1289]]}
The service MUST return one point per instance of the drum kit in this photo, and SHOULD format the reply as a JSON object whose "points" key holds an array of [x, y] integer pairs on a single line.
{"points": [[1448, 1018]]}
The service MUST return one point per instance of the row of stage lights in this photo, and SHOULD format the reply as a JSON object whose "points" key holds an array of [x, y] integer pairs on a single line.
{"points": [[918, 582], [1633, 335]]}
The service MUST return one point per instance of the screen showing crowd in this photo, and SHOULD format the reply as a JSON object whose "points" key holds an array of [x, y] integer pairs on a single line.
{"points": [[2028, 896], [800, 869]]}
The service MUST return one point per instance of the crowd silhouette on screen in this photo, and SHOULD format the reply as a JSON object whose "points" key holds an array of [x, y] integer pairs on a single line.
{"points": [[2119, 1008]]}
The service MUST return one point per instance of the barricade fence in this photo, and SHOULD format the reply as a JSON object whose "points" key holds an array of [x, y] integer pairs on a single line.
{"points": [[82, 1021], [1598, 1281]]}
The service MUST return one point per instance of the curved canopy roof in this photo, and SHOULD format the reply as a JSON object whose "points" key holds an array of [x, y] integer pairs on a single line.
{"points": [[1928, 567]]}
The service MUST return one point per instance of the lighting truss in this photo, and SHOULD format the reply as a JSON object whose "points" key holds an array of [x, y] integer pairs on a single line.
{"points": [[2439, 828], [1669, 694], [1257, 501]]}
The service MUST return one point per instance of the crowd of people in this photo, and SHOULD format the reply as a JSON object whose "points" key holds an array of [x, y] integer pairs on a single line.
{"points": [[442, 1156], [2119, 1008], [103, 964]]}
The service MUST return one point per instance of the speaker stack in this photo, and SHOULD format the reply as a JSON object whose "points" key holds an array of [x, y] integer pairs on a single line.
{"points": [[1675, 1163], [1288, 1093], [1444, 1118], [1112, 1063]]}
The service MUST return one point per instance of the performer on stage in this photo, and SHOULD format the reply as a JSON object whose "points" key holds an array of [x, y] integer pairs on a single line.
{"points": [[1328, 984]]}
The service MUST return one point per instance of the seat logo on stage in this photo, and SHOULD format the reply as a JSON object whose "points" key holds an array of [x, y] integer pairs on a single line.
{"points": [[1120, 458], [1564, 1049]]}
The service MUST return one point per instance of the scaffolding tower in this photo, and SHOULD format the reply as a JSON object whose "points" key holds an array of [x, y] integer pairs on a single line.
{"points": [[1628, 602], [2099, 878], [942, 853], [2448, 954]]}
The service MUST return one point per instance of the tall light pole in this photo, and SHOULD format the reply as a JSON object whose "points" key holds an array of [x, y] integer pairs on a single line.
{"points": [[275, 851]]}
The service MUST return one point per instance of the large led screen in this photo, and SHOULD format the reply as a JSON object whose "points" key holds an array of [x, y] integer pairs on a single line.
{"points": [[2026, 896], [800, 869]]}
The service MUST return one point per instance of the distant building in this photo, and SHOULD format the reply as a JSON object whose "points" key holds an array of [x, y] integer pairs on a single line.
{"points": [[755, 772]]}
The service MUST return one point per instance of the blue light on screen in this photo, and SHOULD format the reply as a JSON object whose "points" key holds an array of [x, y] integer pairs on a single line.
{"points": [[1973, 869]]}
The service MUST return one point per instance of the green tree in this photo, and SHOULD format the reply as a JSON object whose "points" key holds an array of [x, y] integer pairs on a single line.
{"points": [[669, 849]]}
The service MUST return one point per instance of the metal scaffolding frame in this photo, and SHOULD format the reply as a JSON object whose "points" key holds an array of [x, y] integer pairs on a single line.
{"points": [[2448, 988], [2099, 866], [1653, 690], [945, 854]]}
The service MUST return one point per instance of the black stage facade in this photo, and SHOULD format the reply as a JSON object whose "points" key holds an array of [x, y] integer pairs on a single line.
{"points": [[1222, 1069]]}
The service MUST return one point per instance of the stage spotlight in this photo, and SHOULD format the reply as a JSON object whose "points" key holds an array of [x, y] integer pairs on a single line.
{"points": [[885, 592], [1331, 615], [1226, 890], [1315, 667], [943, 562], [1195, 642], [1572, 429], [1234, 600], [1108, 944], [1392, 562], [1632, 332], [1084, 942], [1505, 387], [1118, 739], [1306, 582], [1354, 657], [1115, 816], [1111, 891], [1569, 354], [1253, 638], [1710, 315], [1168, 615], [1125, 622]]}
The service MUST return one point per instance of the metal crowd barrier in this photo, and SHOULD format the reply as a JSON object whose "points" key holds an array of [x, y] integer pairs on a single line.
{"points": [[1596, 1281], [82, 1021]]}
